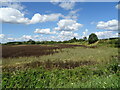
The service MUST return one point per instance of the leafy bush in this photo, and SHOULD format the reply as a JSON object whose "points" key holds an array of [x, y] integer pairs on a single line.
{"points": [[92, 38]]}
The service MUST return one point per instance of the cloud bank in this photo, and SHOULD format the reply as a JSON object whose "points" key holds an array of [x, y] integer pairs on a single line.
{"points": [[109, 25], [14, 16]]}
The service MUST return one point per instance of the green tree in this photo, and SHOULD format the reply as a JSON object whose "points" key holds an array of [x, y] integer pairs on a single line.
{"points": [[73, 40], [30, 42], [92, 38], [84, 38]]}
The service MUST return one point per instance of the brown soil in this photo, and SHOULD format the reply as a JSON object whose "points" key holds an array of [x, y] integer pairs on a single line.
{"points": [[10, 51]]}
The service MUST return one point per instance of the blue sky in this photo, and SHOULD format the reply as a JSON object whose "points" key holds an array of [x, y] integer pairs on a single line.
{"points": [[72, 20]]}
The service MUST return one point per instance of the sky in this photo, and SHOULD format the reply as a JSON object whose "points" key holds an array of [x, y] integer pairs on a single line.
{"points": [[58, 21]]}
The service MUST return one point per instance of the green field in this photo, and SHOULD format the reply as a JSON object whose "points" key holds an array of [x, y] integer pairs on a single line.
{"points": [[77, 67]]}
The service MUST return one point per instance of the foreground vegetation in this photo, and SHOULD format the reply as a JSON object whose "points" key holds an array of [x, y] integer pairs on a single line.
{"points": [[73, 67], [96, 76]]}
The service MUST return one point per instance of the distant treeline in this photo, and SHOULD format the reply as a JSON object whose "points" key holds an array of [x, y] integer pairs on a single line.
{"points": [[44, 42], [51, 42], [91, 39]]}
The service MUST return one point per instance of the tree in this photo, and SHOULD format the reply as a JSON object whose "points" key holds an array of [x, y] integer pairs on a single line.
{"points": [[31, 41], [92, 38], [80, 40], [73, 40], [84, 38]]}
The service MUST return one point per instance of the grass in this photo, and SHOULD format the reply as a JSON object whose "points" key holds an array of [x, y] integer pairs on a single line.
{"points": [[83, 54]]}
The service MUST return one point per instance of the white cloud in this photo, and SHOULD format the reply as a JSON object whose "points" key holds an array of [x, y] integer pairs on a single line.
{"points": [[67, 5], [72, 15], [44, 31], [64, 35], [109, 25], [106, 34], [11, 39], [67, 33], [2, 36], [15, 5], [7, 1], [68, 25], [10, 15], [118, 6], [26, 37], [36, 36], [55, 1], [5, 38], [44, 18]]}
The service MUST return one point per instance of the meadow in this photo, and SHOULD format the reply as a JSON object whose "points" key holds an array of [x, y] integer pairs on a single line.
{"points": [[70, 65]]}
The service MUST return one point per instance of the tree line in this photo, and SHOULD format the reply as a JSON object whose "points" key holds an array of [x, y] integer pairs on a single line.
{"points": [[91, 39]]}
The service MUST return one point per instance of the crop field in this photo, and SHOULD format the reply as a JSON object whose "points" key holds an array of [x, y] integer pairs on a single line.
{"points": [[60, 66]]}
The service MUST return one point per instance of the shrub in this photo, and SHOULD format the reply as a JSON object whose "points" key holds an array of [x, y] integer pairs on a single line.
{"points": [[92, 38]]}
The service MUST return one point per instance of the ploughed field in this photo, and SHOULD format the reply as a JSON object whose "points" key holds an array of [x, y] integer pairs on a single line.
{"points": [[10, 51]]}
